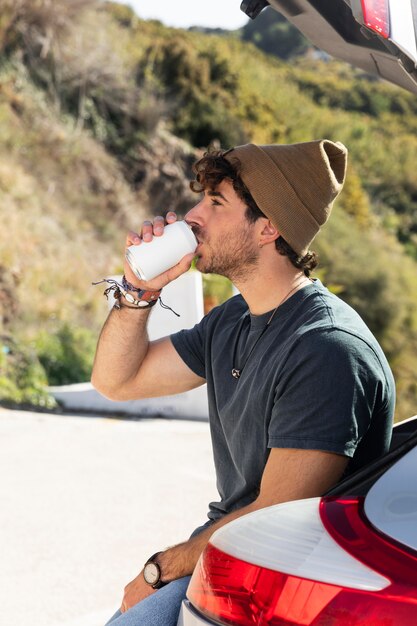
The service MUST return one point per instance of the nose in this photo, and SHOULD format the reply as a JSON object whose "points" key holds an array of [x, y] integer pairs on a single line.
{"points": [[194, 215]]}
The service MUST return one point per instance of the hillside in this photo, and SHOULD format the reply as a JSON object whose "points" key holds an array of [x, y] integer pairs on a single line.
{"points": [[101, 117]]}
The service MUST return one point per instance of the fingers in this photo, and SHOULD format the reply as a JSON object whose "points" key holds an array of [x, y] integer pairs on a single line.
{"points": [[171, 217], [132, 239], [158, 226], [150, 229], [147, 230]]}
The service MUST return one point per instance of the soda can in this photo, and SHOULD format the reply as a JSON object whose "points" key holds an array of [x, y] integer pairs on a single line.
{"points": [[150, 258]]}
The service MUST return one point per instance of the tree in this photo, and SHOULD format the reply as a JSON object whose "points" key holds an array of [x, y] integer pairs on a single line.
{"points": [[273, 34]]}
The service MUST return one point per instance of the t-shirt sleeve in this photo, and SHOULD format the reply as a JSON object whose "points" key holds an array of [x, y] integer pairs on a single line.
{"points": [[190, 345], [325, 396]]}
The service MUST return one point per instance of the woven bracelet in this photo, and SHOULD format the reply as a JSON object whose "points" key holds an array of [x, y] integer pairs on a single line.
{"points": [[121, 290]]}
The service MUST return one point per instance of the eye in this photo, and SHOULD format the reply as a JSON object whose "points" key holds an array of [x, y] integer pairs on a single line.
{"points": [[215, 202]]}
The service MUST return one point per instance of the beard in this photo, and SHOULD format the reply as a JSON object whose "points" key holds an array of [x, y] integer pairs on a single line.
{"points": [[235, 255]]}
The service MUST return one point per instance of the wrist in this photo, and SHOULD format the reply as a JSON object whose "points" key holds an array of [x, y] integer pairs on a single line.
{"points": [[143, 295], [152, 572], [178, 561], [136, 299], [130, 297]]}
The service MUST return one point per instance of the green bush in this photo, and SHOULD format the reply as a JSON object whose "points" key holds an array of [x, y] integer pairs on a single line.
{"points": [[201, 86], [274, 34], [217, 288], [67, 356], [377, 279], [22, 377]]}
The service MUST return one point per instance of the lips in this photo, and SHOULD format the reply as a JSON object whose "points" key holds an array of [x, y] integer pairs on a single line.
{"points": [[199, 240], [197, 231]]}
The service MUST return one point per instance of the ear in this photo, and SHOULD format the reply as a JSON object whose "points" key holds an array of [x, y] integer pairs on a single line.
{"points": [[268, 234]]}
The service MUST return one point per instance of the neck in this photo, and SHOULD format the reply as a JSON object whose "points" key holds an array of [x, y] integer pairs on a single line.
{"points": [[270, 287]]}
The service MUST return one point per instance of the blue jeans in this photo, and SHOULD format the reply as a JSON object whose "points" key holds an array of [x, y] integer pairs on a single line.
{"points": [[160, 609]]}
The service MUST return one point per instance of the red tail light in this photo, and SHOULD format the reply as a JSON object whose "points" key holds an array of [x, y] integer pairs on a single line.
{"points": [[229, 590], [376, 16]]}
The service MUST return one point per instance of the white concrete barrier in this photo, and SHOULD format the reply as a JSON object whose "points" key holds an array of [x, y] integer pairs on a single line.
{"points": [[82, 397]]}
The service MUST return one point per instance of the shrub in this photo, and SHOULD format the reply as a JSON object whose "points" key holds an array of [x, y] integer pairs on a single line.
{"points": [[217, 289], [201, 86], [374, 276], [274, 34], [68, 355], [22, 377]]}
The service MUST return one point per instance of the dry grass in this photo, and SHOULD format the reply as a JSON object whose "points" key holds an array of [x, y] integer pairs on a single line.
{"points": [[38, 24], [65, 207]]}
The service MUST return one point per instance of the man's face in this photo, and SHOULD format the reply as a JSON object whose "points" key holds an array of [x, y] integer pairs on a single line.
{"points": [[227, 243]]}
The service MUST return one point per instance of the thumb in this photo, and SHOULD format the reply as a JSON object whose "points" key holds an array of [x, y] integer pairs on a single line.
{"points": [[174, 272], [181, 267]]}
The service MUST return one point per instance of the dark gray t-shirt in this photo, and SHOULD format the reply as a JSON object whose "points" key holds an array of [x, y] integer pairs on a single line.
{"points": [[317, 379]]}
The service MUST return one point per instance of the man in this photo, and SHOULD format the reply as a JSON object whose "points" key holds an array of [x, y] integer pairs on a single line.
{"points": [[300, 393]]}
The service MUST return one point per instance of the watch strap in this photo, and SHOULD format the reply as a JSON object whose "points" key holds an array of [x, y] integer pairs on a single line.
{"points": [[153, 557]]}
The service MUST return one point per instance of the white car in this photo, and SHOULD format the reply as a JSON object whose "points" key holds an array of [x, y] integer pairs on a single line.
{"points": [[350, 557]]}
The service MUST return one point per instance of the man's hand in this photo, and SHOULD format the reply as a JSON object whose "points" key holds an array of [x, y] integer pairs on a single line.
{"points": [[136, 591], [150, 230]]}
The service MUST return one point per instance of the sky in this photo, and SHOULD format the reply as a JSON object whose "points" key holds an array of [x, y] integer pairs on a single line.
{"points": [[185, 13]]}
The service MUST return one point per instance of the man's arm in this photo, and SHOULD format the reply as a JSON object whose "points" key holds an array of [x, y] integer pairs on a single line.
{"points": [[127, 366], [289, 474]]}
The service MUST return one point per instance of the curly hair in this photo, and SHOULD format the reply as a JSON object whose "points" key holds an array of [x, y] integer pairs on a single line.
{"points": [[212, 169]]}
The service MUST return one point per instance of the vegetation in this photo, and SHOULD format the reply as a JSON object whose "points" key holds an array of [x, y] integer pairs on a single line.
{"points": [[66, 355], [217, 289], [101, 117], [273, 34], [22, 378]]}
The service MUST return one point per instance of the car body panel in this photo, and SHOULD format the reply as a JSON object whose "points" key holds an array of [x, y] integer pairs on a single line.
{"points": [[189, 616], [332, 26], [402, 27]]}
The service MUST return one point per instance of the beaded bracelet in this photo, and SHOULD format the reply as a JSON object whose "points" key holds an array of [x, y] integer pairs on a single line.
{"points": [[121, 290], [149, 296]]}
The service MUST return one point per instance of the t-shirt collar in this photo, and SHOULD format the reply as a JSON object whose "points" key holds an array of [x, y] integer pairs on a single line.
{"points": [[257, 322]]}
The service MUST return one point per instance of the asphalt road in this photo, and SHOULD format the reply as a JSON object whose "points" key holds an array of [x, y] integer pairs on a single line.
{"points": [[84, 502]]}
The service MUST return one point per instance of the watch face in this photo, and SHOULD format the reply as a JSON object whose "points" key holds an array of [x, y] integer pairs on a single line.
{"points": [[151, 573]]}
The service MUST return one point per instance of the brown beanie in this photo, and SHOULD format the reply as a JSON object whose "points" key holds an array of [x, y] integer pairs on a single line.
{"points": [[294, 185]]}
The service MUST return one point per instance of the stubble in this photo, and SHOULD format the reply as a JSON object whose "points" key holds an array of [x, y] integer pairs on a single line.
{"points": [[234, 255]]}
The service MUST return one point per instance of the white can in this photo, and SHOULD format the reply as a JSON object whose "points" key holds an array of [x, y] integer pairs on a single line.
{"points": [[151, 258]]}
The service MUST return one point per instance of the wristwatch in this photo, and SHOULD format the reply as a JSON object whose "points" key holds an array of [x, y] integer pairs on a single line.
{"points": [[152, 573]]}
